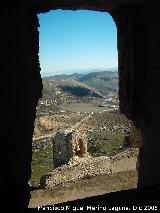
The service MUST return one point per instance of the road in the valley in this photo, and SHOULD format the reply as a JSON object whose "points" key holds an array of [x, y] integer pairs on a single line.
{"points": [[75, 126]]}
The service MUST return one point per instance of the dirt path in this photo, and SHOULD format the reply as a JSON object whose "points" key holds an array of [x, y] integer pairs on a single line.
{"points": [[69, 129], [85, 188], [42, 201], [66, 130]]}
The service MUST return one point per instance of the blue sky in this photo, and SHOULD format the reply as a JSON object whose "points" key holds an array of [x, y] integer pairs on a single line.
{"points": [[72, 41]]}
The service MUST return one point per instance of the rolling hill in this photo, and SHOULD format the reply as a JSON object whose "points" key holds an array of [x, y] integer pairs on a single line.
{"points": [[86, 84], [101, 81]]}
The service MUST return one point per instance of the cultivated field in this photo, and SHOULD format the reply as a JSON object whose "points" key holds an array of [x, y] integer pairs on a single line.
{"points": [[83, 107]]}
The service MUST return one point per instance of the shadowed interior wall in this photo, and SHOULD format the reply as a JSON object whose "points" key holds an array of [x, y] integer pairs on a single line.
{"points": [[20, 89], [21, 86], [139, 77]]}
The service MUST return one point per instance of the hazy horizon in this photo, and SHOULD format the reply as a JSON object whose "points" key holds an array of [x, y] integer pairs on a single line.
{"points": [[77, 40], [79, 71]]}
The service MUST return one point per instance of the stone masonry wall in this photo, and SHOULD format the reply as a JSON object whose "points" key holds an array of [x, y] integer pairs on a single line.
{"points": [[69, 145], [61, 149], [79, 168]]}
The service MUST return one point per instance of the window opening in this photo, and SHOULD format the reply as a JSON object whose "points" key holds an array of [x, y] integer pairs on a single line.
{"points": [[81, 140]]}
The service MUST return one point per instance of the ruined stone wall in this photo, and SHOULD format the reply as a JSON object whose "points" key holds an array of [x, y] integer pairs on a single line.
{"points": [[79, 142], [68, 146], [79, 168], [62, 150]]}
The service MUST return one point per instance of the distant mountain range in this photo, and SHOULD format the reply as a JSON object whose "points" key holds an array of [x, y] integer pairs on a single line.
{"points": [[99, 81], [79, 71]]}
